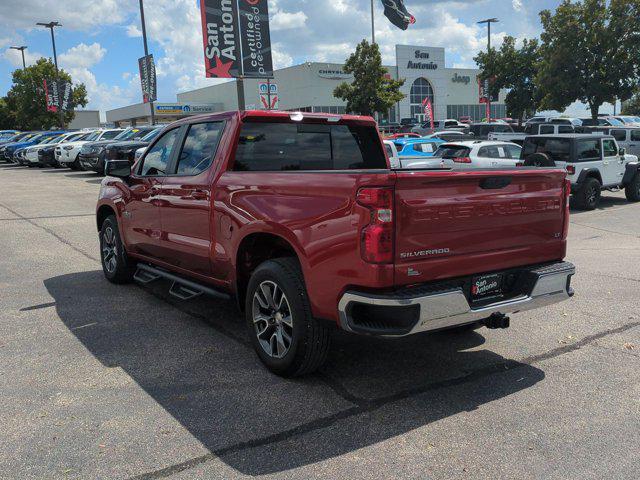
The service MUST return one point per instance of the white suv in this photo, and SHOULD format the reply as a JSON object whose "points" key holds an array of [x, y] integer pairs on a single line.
{"points": [[479, 154], [593, 163], [67, 155]]}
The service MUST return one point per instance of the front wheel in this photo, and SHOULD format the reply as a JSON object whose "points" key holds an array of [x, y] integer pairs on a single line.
{"points": [[116, 265], [283, 332], [632, 190]]}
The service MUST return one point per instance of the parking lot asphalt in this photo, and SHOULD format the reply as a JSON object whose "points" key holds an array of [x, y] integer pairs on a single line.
{"points": [[104, 381]]}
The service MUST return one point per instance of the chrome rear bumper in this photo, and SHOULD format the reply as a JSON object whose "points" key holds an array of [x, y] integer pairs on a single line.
{"points": [[450, 308]]}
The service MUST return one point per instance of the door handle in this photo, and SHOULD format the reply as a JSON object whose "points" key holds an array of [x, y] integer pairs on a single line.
{"points": [[199, 195]]}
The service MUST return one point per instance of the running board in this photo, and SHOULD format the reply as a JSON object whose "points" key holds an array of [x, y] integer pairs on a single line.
{"points": [[181, 288]]}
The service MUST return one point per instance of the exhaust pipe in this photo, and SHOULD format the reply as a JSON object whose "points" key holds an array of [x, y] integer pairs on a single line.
{"points": [[497, 320]]}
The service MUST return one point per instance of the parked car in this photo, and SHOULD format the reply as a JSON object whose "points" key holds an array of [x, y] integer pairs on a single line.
{"points": [[46, 154], [28, 142], [451, 135], [126, 149], [626, 137], [31, 153], [392, 153], [532, 129], [20, 137], [67, 155], [575, 122], [7, 135], [593, 163], [479, 154], [481, 131], [93, 154], [449, 124], [629, 120], [601, 122], [395, 136], [466, 119], [539, 119], [417, 147], [299, 218]]}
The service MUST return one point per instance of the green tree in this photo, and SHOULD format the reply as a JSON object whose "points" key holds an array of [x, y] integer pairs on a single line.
{"points": [[632, 107], [514, 69], [26, 102], [370, 91], [590, 52], [6, 119]]}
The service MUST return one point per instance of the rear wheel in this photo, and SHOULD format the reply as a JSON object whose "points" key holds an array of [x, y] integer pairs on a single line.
{"points": [[632, 190], [116, 265], [283, 332], [588, 196]]}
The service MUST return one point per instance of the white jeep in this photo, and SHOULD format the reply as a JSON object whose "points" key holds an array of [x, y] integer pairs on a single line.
{"points": [[593, 162]]}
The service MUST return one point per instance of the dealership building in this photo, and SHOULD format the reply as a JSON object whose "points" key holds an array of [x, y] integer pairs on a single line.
{"points": [[454, 92]]}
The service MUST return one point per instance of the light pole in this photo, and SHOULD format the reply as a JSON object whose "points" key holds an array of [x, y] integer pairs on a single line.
{"points": [[146, 54], [373, 25], [22, 49], [51, 26], [489, 21]]}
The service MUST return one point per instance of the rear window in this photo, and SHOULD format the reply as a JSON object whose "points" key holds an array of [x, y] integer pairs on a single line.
{"points": [[557, 149], [619, 135], [452, 151], [265, 147]]}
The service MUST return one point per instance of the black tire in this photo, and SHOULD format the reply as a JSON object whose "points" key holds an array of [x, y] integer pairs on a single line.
{"points": [[116, 265], [308, 340], [588, 197], [632, 190], [539, 160]]}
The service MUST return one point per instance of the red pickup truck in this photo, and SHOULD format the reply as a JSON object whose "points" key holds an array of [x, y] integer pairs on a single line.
{"points": [[299, 217]]}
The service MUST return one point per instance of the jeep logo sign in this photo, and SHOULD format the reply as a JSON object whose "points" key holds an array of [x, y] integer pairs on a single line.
{"points": [[461, 79]]}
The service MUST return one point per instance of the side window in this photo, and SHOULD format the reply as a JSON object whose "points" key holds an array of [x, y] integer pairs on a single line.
{"points": [[157, 158], [588, 150], [565, 129], [635, 135], [483, 152], [389, 150], [424, 147], [199, 147], [544, 129], [619, 135], [110, 134], [609, 147], [513, 151]]}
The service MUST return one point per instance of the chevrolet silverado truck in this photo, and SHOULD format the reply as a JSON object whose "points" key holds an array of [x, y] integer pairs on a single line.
{"points": [[300, 218]]}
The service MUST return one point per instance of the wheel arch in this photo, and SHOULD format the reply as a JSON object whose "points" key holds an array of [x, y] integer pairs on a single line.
{"points": [[102, 213], [631, 170], [254, 249], [590, 173]]}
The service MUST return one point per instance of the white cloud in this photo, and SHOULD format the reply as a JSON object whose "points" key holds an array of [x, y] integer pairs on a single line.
{"points": [[517, 5], [286, 20], [133, 31], [14, 57], [82, 56]]}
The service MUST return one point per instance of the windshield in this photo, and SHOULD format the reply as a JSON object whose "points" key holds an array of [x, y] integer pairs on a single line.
{"points": [[132, 134], [615, 122], [92, 136], [73, 138], [151, 135], [54, 139]]}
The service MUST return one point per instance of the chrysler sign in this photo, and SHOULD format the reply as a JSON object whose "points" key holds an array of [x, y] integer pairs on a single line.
{"points": [[236, 38]]}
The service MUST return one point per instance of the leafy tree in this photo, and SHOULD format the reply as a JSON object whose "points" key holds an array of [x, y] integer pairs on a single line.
{"points": [[26, 103], [632, 107], [370, 91], [514, 69], [6, 119], [590, 52]]}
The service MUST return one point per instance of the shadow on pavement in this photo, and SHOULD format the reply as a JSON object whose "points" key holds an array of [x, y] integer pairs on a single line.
{"points": [[81, 174], [606, 202], [194, 360]]}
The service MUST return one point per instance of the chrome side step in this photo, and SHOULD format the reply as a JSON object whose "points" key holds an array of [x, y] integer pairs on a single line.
{"points": [[181, 287]]}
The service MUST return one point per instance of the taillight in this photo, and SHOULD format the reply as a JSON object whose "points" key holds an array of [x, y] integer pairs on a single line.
{"points": [[571, 169], [567, 196], [519, 164], [461, 160], [376, 240]]}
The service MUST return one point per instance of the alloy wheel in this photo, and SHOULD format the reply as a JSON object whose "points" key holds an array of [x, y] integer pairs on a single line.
{"points": [[272, 319], [109, 250]]}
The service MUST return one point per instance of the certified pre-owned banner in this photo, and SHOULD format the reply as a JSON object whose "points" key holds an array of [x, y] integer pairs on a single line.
{"points": [[148, 79], [236, 38]]}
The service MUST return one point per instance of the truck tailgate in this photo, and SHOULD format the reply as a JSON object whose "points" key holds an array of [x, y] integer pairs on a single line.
{"points": [[454, 223]]}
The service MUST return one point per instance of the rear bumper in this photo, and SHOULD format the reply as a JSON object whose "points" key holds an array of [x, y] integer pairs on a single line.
{"points": [[441, 309]]}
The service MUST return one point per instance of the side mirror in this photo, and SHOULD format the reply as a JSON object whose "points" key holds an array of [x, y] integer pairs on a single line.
{"points": [[622, 151], [118, 168]]}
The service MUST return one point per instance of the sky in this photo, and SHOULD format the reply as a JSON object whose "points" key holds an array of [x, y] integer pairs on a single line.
{"points": [[100, 41]]}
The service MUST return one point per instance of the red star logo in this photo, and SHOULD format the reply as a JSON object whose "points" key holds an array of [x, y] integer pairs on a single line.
{"points": [[221, 70]]}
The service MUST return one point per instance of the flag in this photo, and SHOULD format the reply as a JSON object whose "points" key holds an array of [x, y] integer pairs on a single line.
{"points": [[428, 111], [397, 13]]}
